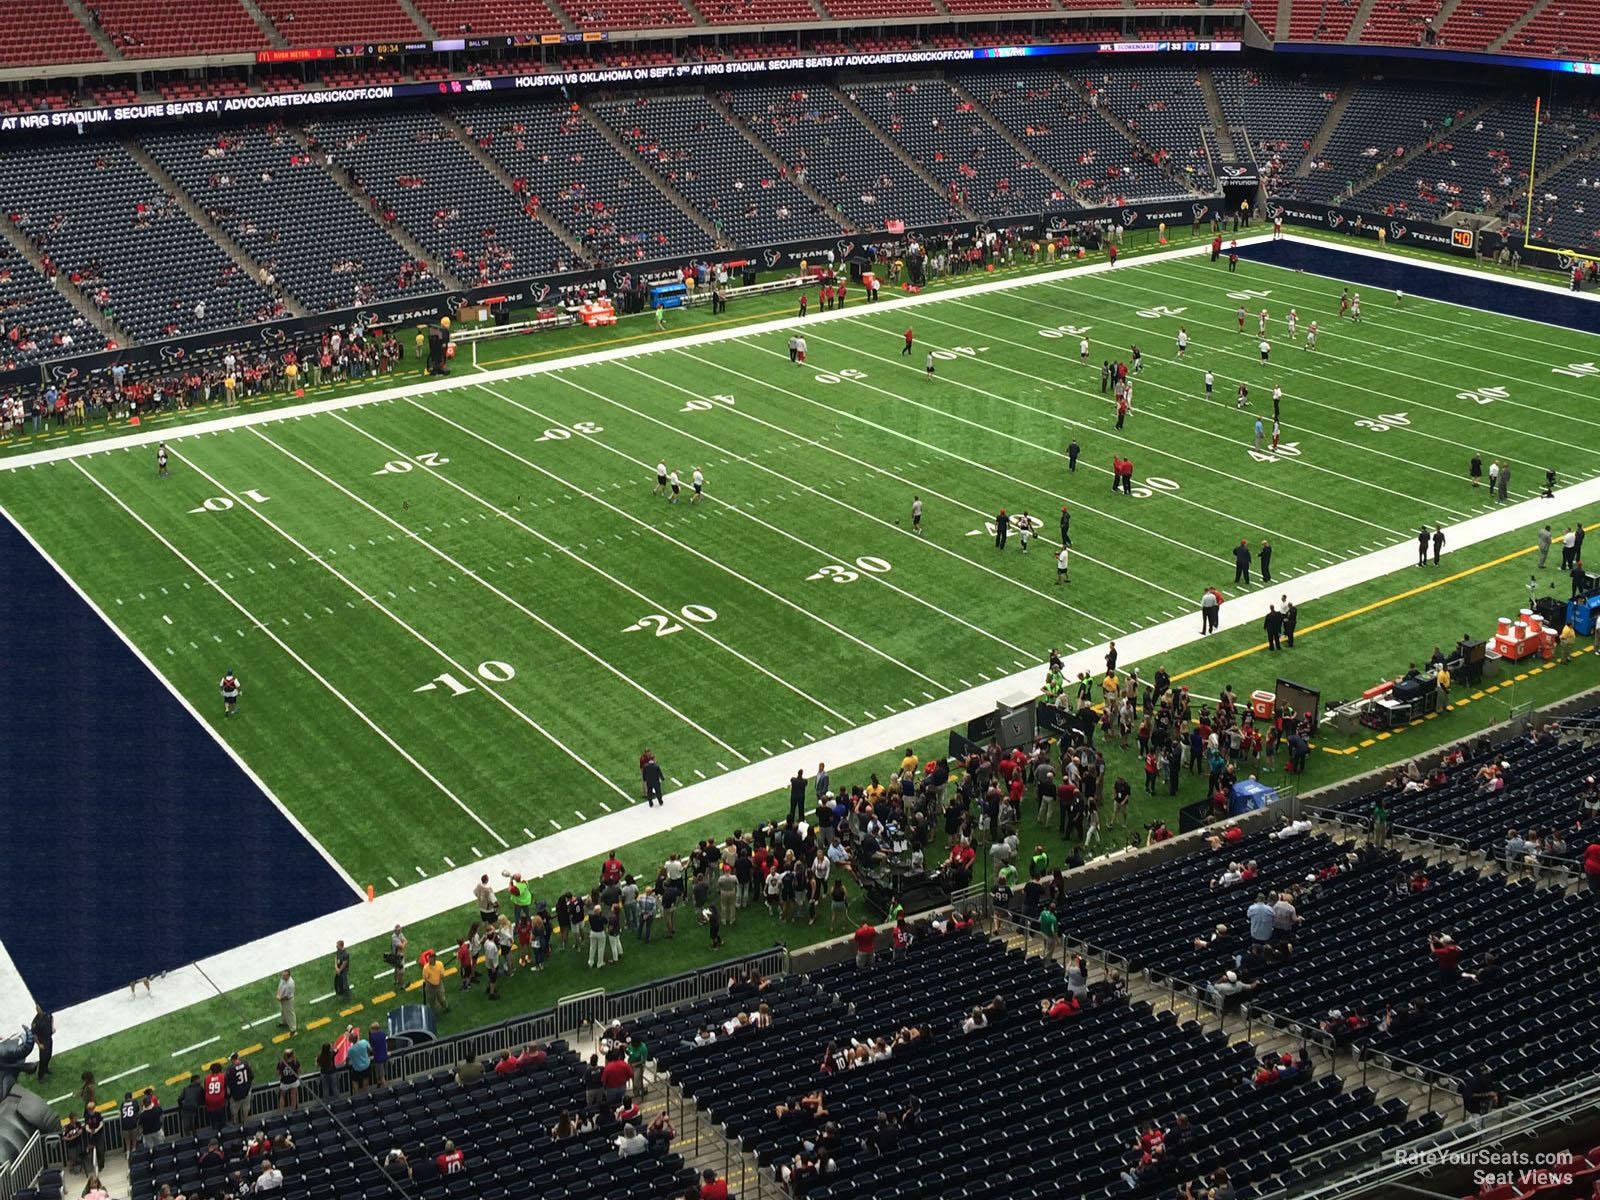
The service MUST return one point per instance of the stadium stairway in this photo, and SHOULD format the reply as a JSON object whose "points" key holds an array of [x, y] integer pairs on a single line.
{"points": [[1179, 186], [210, 228], [1330, 122], [767, 152], [1359, 21], [1390, 166], [262, 23], [24, 246], [416, 16], [648, 170], [1021, 147], [100, 36], [899, 151], [471, 145], [1219, 120], [1516, 27], [341, 176]]}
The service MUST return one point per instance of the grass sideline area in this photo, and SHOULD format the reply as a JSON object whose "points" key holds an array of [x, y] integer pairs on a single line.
{"points": [[1476, 587]]}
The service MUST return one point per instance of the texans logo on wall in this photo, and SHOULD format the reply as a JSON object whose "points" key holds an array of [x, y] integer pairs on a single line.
{"points": [[773, 256], [618, 281], [1397, 231], [1129, 216], [64, 374], [174, 354], [1201, 211], [1059, 224], [1566, 261], [845, 249], [456, 302], [272, 335], [540, 292], [1335, 220]]}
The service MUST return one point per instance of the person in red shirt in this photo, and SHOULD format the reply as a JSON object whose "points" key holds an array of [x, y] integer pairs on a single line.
{"points": [[910, 336], [712, 1188], [507, 1064], [1446, 954], [1060, 1008], [450, 1161], [839, 299], [1591, 865], [216, 1095], [866, 938], [611, 869], [615, 1077]]}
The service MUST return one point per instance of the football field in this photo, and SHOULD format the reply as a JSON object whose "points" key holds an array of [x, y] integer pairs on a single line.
{"points": [[458, 615]]}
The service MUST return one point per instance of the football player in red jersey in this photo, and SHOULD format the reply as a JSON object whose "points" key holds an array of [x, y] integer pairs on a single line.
{"points": [[230, 694]]}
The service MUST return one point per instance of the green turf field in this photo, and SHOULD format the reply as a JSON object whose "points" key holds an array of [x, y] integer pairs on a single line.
{"points": [[453, 602]]}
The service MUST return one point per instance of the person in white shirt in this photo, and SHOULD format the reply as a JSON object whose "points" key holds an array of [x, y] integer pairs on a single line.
{"points": [[1265, 350], [800, 348], [1083, 351], [698, 482], [1293, 319], [930, 364], [672, 483], [270, 1179], [630, 1142], [1183, 341], [1210, 379], [1024, 529], [1261, 323], [1062, 575], [661, 478], [794, 348]]}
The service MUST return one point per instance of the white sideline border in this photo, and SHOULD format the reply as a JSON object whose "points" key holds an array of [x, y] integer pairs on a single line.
{"points": [[116, 1012]]}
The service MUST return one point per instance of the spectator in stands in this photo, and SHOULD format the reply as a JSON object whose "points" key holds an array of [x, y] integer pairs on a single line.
{"points": [[450, 1160], [711, 1187], [1591, 866], [565, 1127], [395, 1165], [1058, 1008], [631, 1142], [469, 1071], [1215, 1186], [866, 939], [1446, 955], [1260, 916], [270, 1179], [1480, 1094]]}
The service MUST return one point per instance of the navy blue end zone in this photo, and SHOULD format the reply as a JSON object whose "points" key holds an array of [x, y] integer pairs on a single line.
{"points": [[1466, 287], [133, 842]]}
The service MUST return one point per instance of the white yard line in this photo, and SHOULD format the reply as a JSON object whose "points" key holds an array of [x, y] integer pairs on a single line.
{"points": [[256, 623], [1146, 382], [649, 528], [691, 625], [819, 444], [422, 638], [826, 555], [1289, 281], [469, 573], [1411, 397]]}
